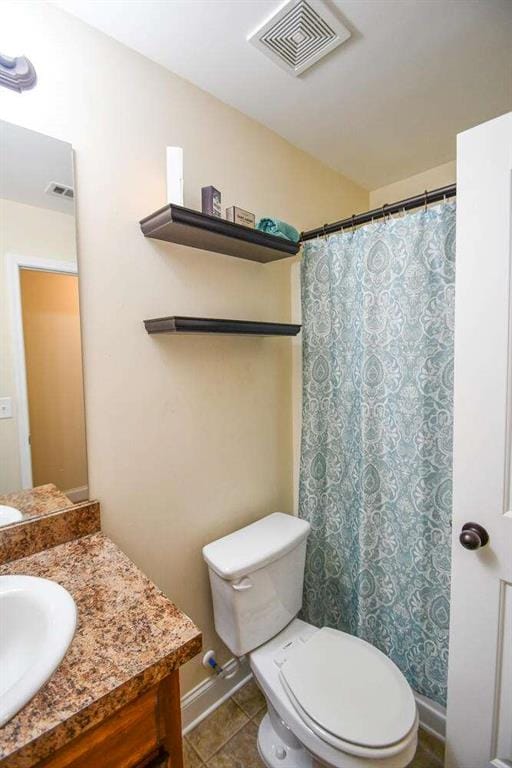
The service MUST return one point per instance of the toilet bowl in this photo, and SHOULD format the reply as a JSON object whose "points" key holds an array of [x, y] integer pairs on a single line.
{"points": [[333, 699]]}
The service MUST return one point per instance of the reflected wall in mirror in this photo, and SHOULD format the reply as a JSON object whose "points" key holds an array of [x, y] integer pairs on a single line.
{"points": [[43, 462]]}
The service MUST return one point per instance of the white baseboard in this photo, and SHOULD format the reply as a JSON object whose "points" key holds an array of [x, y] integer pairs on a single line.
{"points": [[432, 716], [212, 692]]}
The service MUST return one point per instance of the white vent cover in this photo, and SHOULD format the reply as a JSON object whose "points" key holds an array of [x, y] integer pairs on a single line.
{"points": [[60, 190], [299, 34]]}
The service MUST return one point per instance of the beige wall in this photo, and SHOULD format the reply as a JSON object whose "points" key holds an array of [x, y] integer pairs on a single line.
{"points": [[440, 176], [188, 438], [53, 362], [36, 233]]}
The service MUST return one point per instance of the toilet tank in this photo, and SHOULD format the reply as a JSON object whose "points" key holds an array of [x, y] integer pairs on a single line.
{"points": [[256, 578]]}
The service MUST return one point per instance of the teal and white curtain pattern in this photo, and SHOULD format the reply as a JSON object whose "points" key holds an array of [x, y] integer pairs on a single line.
{"points": [[376, 459]]}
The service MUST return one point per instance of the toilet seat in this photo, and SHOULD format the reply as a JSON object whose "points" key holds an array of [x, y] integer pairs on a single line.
{"points": [[348, 692], [266, 664]]}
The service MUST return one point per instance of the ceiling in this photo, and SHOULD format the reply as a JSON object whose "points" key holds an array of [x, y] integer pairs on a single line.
{"points": [[29, 161], [383, 106]]}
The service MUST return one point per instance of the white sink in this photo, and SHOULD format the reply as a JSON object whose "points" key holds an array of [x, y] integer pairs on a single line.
{"points": [[37, 624], [9, 515]]}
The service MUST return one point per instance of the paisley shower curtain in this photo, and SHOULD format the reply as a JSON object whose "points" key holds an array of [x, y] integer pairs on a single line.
{"points": [[376, 457]]}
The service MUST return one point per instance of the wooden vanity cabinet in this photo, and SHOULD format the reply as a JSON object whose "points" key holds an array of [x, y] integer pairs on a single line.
{"points": [[145, 733]]}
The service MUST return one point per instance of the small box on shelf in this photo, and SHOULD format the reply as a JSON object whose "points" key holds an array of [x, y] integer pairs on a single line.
{"points": [[239, 216], [211, 201]]}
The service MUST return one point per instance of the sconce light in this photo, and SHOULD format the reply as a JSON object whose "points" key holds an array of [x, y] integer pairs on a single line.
{"points": [[17, 73]]}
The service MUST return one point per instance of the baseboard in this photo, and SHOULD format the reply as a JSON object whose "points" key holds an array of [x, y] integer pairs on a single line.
{"points": [[212, 692], [432, 716]]}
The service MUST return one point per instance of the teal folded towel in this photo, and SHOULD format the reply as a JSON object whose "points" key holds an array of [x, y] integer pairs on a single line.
{"points": [[279, 228]]}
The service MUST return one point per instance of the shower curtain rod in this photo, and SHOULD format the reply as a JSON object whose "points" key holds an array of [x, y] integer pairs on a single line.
{"points": [[434, 196]]}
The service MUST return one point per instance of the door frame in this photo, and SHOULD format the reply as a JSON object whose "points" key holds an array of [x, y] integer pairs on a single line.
{"points": [[14, 263]]}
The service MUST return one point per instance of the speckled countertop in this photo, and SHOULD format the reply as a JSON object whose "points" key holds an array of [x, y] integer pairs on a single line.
{"points": [[37, 501], [129, 636]]}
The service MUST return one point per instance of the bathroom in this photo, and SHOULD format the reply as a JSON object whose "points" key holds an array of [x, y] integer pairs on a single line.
{"points": [[181, 439]]}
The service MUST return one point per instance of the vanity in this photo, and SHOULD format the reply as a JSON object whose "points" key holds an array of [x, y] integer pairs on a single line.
{"points": [[114, 701]]}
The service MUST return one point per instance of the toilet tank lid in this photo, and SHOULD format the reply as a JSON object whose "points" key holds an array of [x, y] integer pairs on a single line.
{"points": [[255, 546]]}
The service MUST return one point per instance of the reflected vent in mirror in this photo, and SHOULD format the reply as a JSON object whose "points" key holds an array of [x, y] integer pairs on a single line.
{"points": [[60, 190]]}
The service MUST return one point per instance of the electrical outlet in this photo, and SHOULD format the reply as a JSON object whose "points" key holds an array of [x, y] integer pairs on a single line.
{"points": [[5, 407]]}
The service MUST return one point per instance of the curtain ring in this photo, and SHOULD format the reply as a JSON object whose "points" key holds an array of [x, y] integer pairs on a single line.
{"points": [[426, 199], [353, 220], [384, 212], [324, 227]]}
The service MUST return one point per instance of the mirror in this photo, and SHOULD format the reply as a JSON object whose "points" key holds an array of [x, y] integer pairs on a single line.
{"points": [[43, 461]]}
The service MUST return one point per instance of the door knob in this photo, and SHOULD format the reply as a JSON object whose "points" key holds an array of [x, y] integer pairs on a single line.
{"points": [[473, 536]]}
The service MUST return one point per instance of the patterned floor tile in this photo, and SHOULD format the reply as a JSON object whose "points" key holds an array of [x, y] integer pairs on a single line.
{"points": [[190, 757], [259, 717], [250, 698], [220, 726], [431, 744], [425, 759], [240, 751]]}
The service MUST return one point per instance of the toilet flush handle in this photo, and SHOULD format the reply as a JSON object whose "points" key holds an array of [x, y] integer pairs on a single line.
{"points": [[242, 585]]}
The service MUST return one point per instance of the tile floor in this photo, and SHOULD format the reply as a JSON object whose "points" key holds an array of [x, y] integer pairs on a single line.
{"points": [[227, 738]]}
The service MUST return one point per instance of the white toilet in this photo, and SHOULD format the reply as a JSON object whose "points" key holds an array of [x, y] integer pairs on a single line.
{"points": [[333, 699]]}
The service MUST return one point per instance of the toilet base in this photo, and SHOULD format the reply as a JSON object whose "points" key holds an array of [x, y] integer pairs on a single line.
{"points": [[279, 752]]}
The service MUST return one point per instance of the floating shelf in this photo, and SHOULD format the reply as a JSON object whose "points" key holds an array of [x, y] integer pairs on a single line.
{"points": [[176, 224], [193, 325]]}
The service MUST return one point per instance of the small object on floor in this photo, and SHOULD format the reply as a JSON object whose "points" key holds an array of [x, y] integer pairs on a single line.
{"points": [[210, 201], [239, 216], [279, 228]]}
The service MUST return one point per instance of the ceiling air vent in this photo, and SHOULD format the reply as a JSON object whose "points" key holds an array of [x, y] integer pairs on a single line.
{"points": [[60, 190], [299, 34]]}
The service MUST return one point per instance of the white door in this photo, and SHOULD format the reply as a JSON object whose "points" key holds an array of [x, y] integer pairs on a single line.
{"points": [[479, 714]]}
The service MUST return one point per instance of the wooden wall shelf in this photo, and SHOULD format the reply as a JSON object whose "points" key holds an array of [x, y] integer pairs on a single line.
{"points": [[198, 325], [176, 224]]}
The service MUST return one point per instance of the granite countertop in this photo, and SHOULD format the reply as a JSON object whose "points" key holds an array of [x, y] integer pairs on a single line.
{"points": [[129, 636], [37, 501]]}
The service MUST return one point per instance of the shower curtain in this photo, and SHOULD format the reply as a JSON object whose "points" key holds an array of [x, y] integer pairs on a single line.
{"points": [[376, 456]]}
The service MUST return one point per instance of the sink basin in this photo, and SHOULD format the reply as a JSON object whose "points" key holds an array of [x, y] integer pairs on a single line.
{"points": [[9, 515], [37, 624]]}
